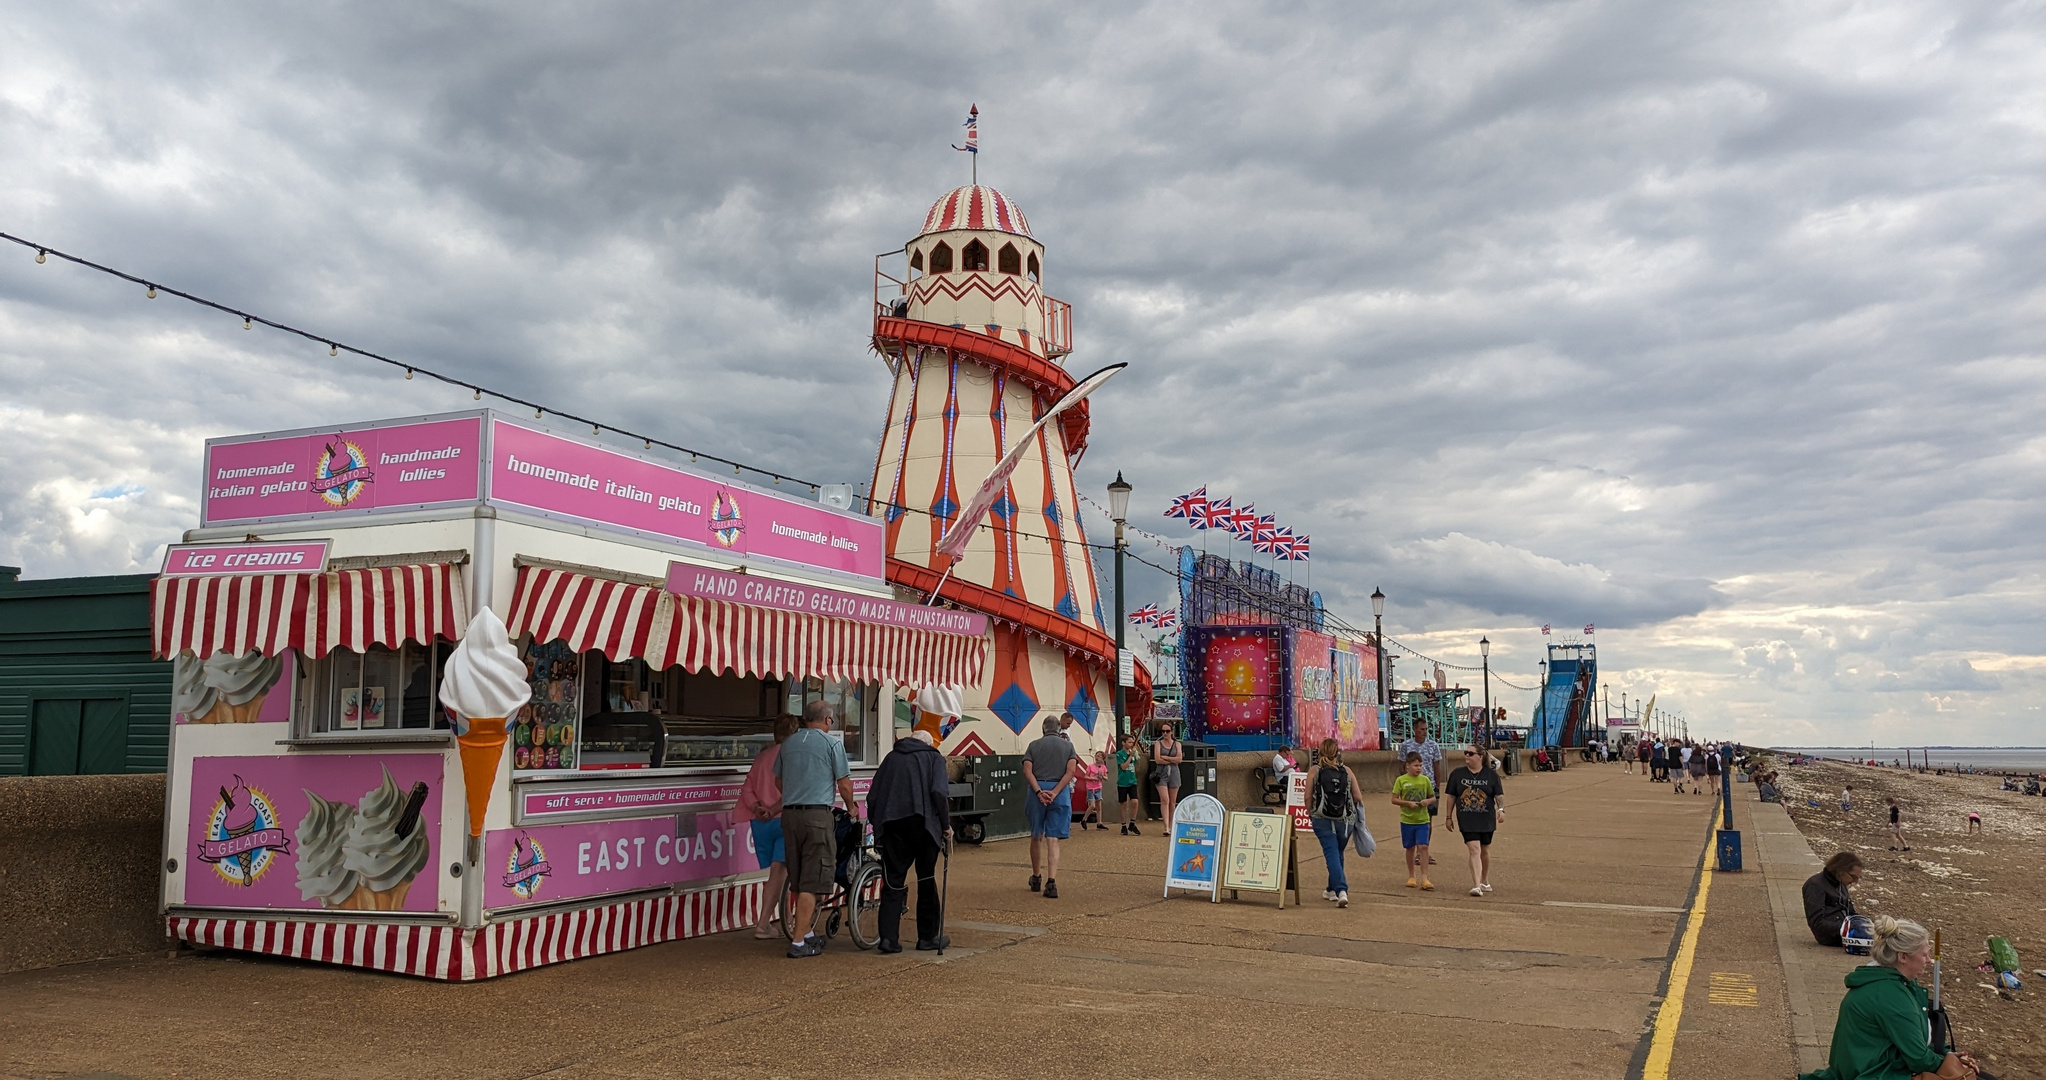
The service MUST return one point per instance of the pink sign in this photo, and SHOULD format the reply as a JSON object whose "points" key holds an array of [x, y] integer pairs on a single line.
{"points": [[196, 560], [686, 580], [342, 470], [556, 475], [546, 863], [554, 802], [316, 832]]}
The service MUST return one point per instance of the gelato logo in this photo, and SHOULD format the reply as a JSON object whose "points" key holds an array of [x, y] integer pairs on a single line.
{"points": [[341, 474], [243, 838], [527, 868], [725, 522]]}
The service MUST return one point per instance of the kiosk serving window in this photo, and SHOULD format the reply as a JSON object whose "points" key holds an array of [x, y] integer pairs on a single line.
{"points": [[592, 713], [378, 689]]}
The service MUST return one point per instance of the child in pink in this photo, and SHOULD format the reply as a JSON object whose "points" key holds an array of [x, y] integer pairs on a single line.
{"points": [[1091, 774]]}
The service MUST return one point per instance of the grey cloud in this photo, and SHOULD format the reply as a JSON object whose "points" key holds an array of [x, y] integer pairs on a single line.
{"points": [[1716, 326]]}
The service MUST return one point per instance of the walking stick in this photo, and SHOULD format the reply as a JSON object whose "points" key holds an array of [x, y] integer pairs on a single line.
{"points": [[944, 890]]}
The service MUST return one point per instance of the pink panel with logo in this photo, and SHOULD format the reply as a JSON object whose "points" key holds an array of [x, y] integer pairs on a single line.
{"points": [[549, 473], [318, 832], [343, 469], [542, 864]]}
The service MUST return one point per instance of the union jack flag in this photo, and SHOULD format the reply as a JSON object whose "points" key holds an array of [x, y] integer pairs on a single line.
{"points": [[1189, 505], [1589, 629], [1217, 514], [1144, 615], [1166, 620], [1244, 522], [1266, 543], [972, 132], [1265, 528], [1300, 547], [1282, 543], [1545, 629]]}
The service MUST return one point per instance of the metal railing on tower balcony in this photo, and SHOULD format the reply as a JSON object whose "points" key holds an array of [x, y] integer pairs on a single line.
{"points": [[1058, 328]]}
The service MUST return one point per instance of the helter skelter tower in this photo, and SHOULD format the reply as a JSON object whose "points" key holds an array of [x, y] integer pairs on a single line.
{"points": [[977, 351]]}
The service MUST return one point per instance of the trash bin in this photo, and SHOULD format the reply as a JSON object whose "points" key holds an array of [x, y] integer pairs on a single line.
{"points": [[1512, 761], [1198, 772]]}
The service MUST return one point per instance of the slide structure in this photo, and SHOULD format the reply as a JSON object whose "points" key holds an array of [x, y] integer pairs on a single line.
{"points": [[1562, 715]]}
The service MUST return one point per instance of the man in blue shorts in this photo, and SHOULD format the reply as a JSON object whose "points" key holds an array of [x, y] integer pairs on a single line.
{"points": [[1048, 774]]}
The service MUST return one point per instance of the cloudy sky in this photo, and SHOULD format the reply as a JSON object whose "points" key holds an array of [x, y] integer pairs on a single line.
{"points": [[1717, 325]]}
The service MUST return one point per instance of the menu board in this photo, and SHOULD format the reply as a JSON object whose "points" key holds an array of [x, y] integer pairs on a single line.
{"points": [[545, 735], [1254, 850], [1196, 842]]}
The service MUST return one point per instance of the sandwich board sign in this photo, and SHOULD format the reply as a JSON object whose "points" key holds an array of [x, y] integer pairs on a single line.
{"points": [[1296, 800], [1255, 850], [1196, 846]]}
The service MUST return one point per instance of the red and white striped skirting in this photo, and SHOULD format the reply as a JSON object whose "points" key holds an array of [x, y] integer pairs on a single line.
{"points": [[458, 954], [313, 613], [626, 621]]}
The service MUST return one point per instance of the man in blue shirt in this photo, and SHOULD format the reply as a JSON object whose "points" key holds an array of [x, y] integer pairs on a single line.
{"points": [[810, 764]]}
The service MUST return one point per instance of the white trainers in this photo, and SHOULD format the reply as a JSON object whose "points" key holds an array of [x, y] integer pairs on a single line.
{"points": [[1328, 894], [1343, 898], [1476, 891], [1487, 886]]}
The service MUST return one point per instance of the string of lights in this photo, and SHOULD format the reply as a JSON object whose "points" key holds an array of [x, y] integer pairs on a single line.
{"points": [[336, 347]]}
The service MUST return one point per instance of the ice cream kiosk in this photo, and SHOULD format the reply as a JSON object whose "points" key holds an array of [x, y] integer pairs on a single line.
{"points": [[461, 695]]}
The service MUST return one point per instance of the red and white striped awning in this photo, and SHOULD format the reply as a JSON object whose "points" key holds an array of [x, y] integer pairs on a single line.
{"points": [[625, 621], [613, 617], [313, 613]]}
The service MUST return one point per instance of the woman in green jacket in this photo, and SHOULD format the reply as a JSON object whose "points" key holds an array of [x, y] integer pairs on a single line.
{"points": [[1883, 1032]]}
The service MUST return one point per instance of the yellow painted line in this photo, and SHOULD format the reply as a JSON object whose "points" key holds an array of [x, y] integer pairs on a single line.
{"points": [[1664, 1043], [1735, 988]]}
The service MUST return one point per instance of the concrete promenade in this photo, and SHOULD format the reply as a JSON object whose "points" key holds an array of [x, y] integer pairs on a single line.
{"points": [[1559, 973]]}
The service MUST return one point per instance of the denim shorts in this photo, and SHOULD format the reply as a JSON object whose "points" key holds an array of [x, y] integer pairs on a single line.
{"points": [[767, 845], [1056, 820], [1413, 835]]}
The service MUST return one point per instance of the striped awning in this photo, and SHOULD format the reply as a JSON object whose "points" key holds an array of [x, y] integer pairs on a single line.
{"points": [[615, 618], [625, 621], [313, 613]]}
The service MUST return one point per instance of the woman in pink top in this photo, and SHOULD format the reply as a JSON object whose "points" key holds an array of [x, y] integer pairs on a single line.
{"points": [[760, 803]]}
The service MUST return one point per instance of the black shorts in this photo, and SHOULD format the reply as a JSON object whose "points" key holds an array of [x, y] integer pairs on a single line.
{"points": [[1125, 792], [1484, 839]]}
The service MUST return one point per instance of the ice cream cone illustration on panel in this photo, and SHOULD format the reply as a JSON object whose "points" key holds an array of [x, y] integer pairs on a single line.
{"points": [[223, 689], [363, 857], [485, 684]]}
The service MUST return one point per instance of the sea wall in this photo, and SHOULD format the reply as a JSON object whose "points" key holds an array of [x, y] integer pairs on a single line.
{"points": [[78, 868]]}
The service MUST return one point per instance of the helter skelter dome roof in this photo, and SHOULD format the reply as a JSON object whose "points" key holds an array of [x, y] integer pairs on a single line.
{"points": [[976, 207]]}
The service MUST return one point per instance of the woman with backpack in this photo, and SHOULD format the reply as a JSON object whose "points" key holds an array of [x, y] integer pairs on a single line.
{"points": [[1332, 796]]}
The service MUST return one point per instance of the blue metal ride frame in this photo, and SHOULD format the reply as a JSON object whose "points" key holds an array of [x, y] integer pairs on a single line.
{"points": [[1562, 713]]}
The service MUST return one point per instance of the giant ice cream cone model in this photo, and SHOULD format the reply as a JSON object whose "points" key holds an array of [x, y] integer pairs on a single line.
{"points": [[484, 682], [978, 352]]}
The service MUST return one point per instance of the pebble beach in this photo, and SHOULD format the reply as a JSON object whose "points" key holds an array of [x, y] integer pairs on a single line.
{"points": [[1969, 887]]}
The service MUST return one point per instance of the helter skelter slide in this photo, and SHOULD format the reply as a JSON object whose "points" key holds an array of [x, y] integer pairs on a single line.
{"points": [[1562, 714]]}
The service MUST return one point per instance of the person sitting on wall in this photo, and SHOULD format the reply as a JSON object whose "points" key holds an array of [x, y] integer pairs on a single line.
{"points": [[1884, 1028], [1826, 900]]}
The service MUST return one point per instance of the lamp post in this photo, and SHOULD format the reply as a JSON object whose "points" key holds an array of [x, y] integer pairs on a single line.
{"points": [[1485, 654], [1378, 639], [1119, 511]]}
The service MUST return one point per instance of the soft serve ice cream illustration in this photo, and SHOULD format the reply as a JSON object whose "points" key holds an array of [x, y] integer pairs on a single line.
{"points": [[484, 683], [223, 689], [363, 857]]}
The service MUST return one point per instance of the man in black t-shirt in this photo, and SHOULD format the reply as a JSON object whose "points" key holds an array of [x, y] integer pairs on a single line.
{"points": [[1475, 797]]}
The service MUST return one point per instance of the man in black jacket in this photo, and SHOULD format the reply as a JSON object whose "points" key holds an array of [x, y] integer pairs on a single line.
{"points": [[1826, 903], [910, 805]]}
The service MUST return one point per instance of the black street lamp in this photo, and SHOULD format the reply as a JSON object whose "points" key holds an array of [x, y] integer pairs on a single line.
{"points": [[1378, 639], [1119, 511], [1485, 654]]}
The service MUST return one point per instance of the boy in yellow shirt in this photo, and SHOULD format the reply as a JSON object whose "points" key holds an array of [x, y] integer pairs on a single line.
{"points": [[1414, 793]]}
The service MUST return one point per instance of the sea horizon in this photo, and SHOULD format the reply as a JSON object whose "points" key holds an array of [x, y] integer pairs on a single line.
{"points": [[2015, 758]]}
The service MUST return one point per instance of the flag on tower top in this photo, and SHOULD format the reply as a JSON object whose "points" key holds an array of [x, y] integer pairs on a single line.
{"points": [[1545, 629], [1189, 505], [1217, 514], [972, 132], [1244, 522], [1145, 614], [1166, 620], [1589, 629]]}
